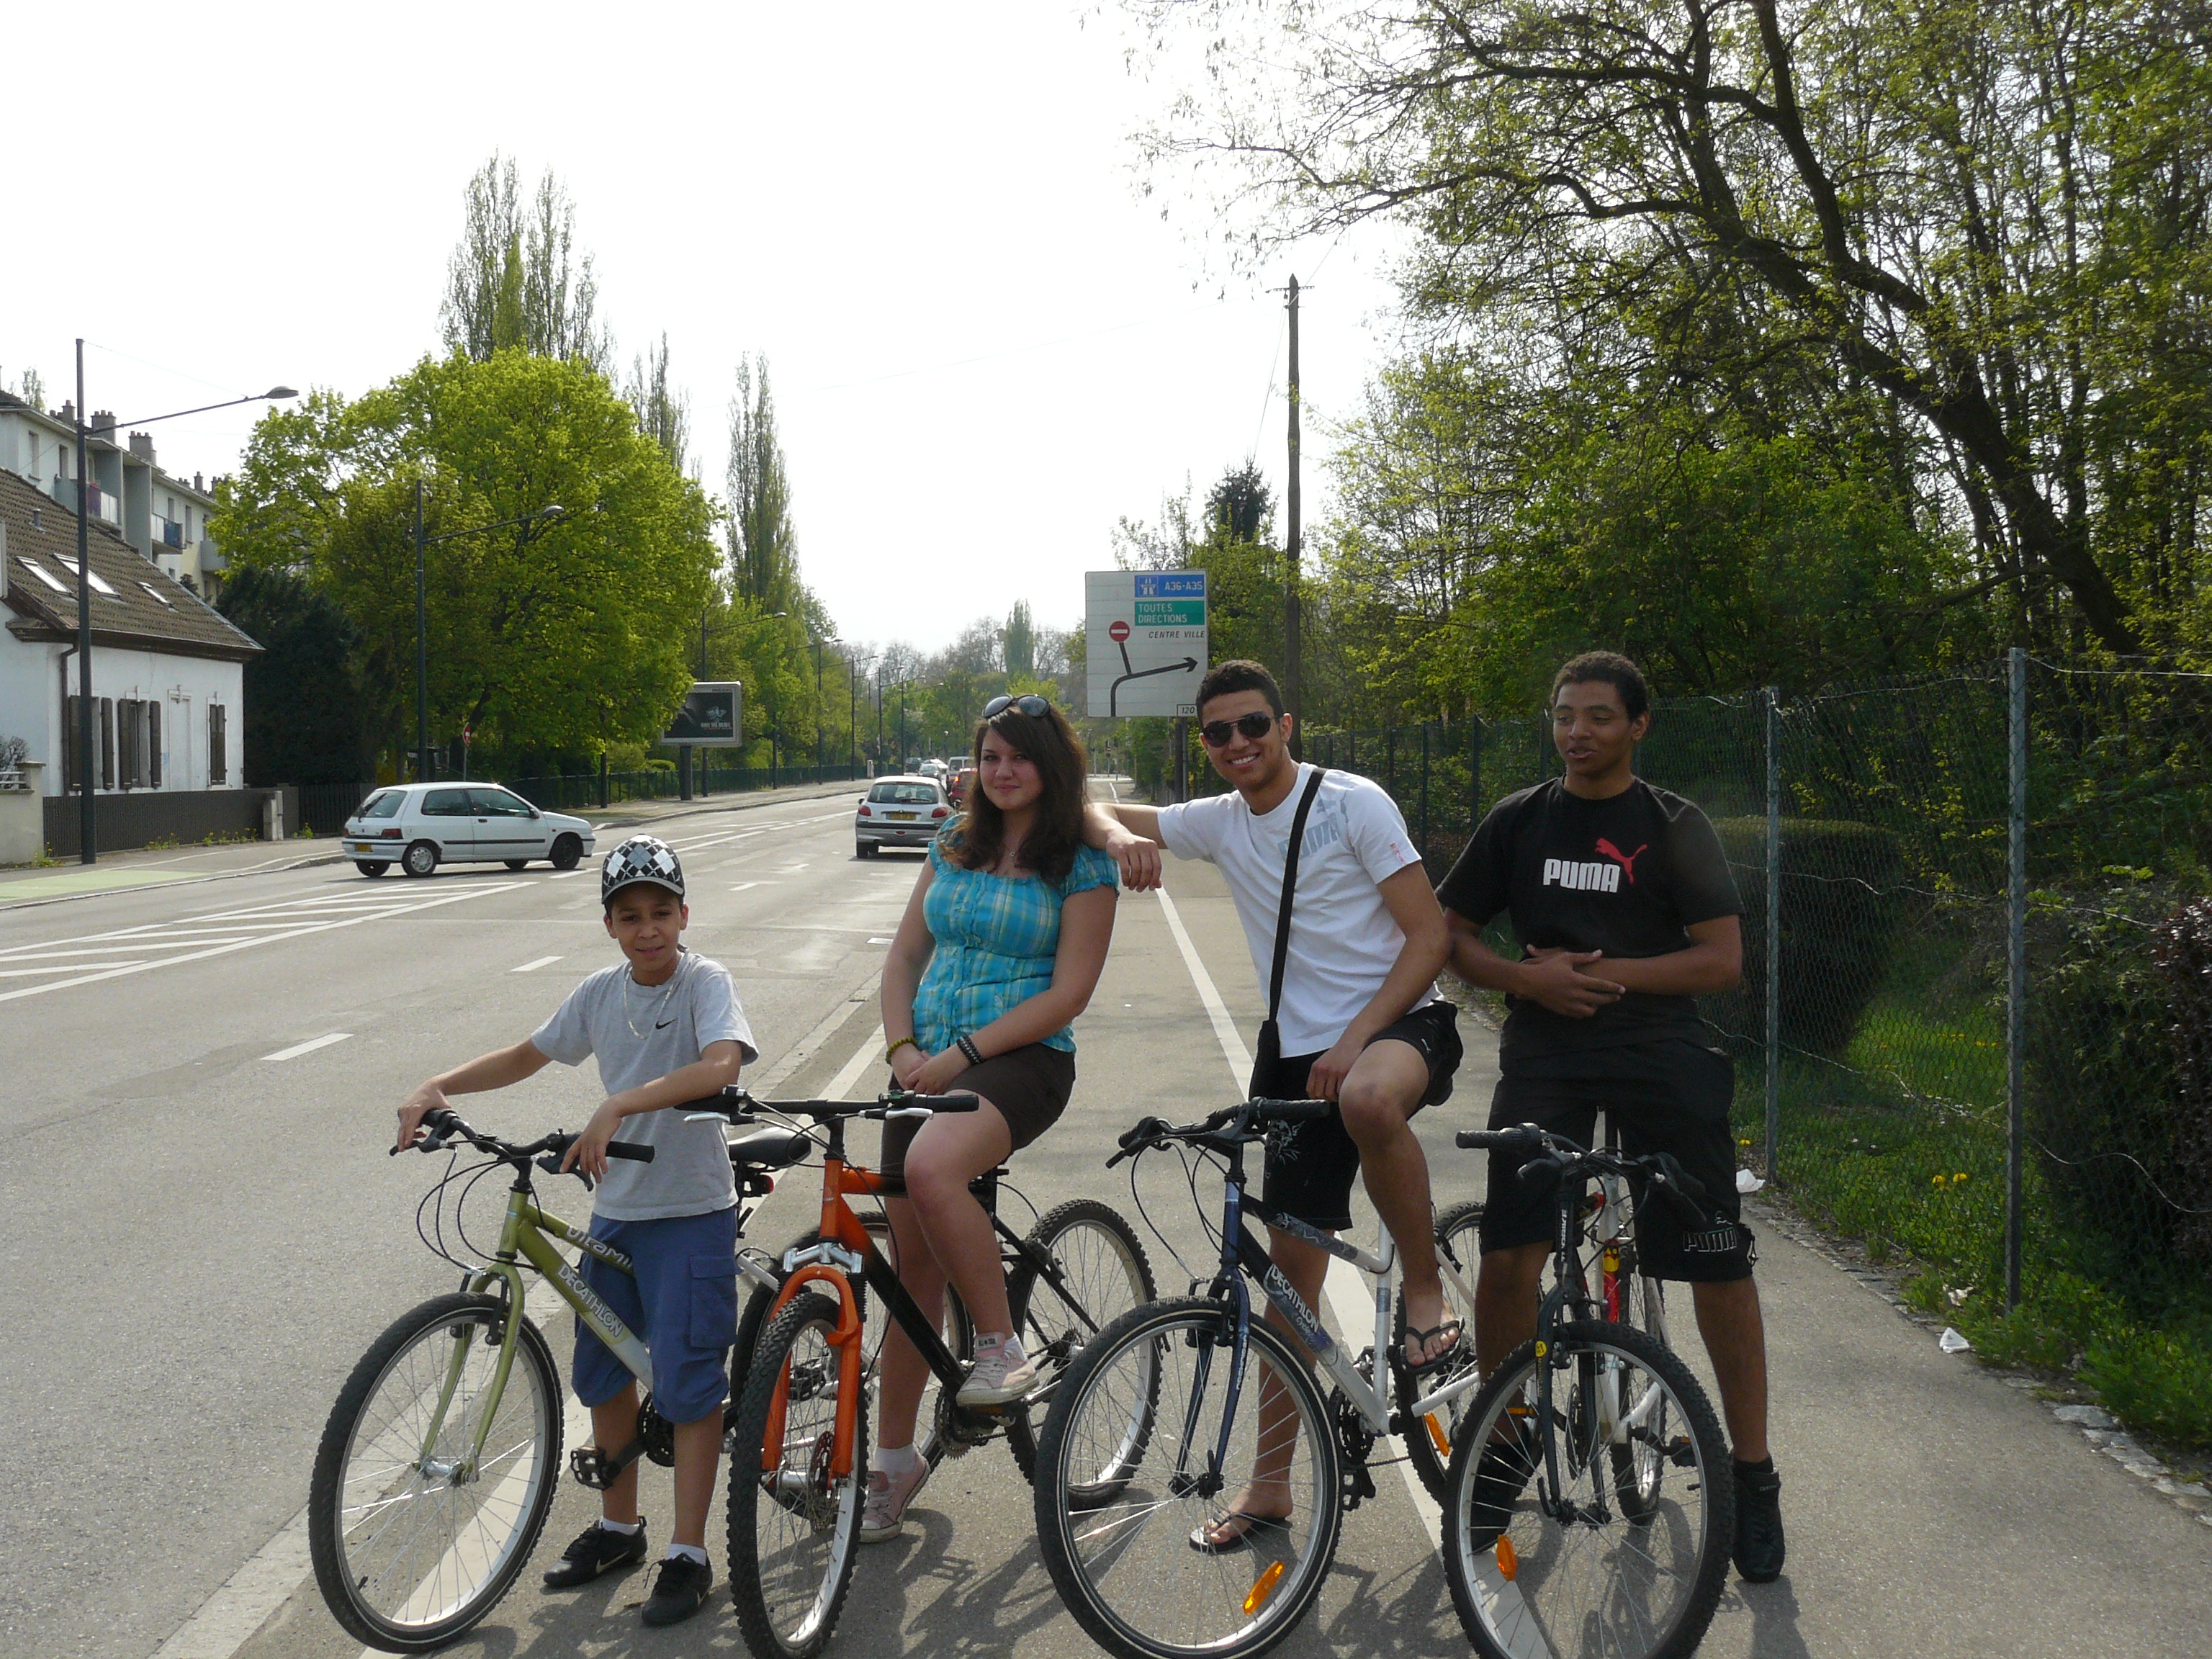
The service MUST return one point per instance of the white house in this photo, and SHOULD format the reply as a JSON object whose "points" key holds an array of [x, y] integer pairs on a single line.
{"points": [[168, 669], [162, 516]]}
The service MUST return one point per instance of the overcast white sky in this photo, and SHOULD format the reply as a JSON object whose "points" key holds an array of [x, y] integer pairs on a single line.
{"points": [[986, 345]]}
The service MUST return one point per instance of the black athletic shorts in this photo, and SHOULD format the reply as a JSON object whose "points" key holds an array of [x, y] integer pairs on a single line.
{"points": [[1029, 1086], [1310, 1165], [1671, 1095]]}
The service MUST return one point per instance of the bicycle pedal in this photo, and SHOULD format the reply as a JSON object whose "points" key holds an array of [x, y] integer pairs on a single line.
{"points": [[588, 1464], [1357, 1484]]}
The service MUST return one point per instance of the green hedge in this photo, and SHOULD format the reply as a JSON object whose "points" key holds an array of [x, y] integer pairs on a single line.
{"points": [[1843, 903]]}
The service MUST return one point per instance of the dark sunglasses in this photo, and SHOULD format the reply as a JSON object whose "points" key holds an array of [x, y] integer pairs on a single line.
{"points": [[1254, 725], [1032, 705]]}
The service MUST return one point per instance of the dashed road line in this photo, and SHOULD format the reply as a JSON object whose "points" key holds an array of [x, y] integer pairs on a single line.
{"points": [[532, 967], [841, 1086], [309, 1046]]}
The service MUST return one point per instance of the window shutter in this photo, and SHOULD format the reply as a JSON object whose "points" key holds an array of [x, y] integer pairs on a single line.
{"points": [[108, 743], [72, 762], [218, 760], [154, 742]]}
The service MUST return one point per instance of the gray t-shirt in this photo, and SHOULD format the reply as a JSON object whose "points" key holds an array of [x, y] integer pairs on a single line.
{"points": [[641, 1032]]}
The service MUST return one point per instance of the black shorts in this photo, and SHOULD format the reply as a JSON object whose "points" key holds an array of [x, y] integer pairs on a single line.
{"points": [[1671, 1095], [1310, 1165], [1029, 1086]]}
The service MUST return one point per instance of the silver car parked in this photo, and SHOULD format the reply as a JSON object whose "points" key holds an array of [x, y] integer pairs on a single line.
{"points": [[899, 812], [420, 826]]}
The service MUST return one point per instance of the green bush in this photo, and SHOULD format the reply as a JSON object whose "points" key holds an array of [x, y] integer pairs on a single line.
{"points": [[2101, 1080], [1843, 903]]}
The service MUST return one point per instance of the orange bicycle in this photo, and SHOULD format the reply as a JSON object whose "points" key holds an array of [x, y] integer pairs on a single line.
{"points": [[803, 1409]]}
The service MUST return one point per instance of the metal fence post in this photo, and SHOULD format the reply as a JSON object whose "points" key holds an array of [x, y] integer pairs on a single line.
{"points": [[1474, 731], [1424, 789], [2015, 960], [1773, 930]]}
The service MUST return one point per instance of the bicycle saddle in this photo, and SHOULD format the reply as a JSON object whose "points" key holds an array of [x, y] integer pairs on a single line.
{"points": [[769, 1148]]}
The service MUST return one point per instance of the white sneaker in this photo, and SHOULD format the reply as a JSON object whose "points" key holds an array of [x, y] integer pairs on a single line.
{"points": [[883, 1515], [998, 1376]]}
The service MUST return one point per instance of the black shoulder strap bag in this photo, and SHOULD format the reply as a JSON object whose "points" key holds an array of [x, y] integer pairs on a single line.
{"points": [[1268, 1062]]}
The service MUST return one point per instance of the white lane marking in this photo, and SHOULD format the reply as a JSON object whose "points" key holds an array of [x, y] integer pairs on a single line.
{"points": [[532, 967], [878, 941], [57, 968], [743, 885], [265, 937], [1349, 1291], [1224, 1029], [800, 1052], [309, 1046], [841, 1086]]}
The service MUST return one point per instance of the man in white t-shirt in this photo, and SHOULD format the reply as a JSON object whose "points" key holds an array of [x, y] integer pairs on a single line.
{"points": [[1360, 1020]]}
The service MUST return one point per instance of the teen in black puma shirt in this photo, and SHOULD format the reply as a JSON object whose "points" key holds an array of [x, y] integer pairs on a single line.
{"points": [[1622, 899]]}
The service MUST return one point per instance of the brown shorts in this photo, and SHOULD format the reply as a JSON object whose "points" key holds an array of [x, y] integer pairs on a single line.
{"points": [[1029, 1086]]}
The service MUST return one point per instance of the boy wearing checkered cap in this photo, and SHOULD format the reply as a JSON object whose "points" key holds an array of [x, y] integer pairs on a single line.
{"points": [[666, 1029]]}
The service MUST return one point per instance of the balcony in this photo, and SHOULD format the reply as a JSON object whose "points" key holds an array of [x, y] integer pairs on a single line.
{"points": [[168, 532], [105, 507]]}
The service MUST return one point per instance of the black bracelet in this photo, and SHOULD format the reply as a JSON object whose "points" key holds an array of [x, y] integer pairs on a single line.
{"points": [[966, 1045]]}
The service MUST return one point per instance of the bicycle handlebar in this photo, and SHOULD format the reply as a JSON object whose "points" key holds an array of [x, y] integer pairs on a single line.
{"points": [[446, 1127], [736, 1103], [1243, 1121], [1663, 1173]]}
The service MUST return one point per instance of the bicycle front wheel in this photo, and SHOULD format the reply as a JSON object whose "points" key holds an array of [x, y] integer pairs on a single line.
{"points": [[1100, 1273], [794, 1526], [415, 1533], [1133, 1565], [1566, 1569]]}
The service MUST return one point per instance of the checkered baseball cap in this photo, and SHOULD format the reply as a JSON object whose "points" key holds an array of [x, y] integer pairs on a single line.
{"points": [[641, 858]]}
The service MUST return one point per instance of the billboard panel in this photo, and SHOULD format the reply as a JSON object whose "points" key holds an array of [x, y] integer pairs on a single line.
{"points": [[712, 716], [1146, 636]]}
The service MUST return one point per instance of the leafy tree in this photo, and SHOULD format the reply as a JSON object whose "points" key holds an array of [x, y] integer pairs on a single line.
{"points": [[516, 279], [548, 635], [664, 412], [1020, 638], [763, 553], [1996, 218], [1240, 507], [305, 718]]}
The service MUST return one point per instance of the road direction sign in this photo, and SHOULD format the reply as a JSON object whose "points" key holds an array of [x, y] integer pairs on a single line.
{"points": [[1146, 631]]}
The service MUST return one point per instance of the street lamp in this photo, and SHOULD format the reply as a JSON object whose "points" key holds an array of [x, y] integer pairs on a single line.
{"points": [[683, 749], [818, 644], [852, 707], [422, 645], [87, 850]]}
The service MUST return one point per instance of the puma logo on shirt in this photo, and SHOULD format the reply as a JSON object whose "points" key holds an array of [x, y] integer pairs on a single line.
{"points": [[1595, 877], [1625, 860]]}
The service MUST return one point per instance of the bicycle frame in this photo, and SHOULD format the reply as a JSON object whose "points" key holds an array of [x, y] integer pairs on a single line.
{"points": [[1242, 1256]]}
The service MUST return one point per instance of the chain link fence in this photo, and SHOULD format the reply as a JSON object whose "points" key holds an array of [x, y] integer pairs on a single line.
{"points": [[1982, 1041]]}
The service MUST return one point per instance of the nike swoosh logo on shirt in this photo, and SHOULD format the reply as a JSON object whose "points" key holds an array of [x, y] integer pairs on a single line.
{"points": [[662, 1024]]}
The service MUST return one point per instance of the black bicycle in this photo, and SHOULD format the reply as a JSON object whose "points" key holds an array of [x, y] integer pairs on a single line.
{"points": [[1589, 1506]]}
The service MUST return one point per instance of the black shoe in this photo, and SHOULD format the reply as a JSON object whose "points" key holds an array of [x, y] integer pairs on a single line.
{"points": [[1501, 1475], [595, 1551], [679, 1592], [1759, 1545]]}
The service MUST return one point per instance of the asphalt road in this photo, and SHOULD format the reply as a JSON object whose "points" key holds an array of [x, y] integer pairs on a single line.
{"points": [[207, 1234]]}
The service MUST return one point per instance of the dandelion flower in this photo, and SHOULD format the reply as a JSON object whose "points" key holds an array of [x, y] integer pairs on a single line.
{"points": [[1959, 1178], [1936, 1180]]}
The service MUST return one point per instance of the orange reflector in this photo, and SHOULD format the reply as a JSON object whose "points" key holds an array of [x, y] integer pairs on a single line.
{"points": [[1436, 1436], [1257, 1595], [1509, 1563]]}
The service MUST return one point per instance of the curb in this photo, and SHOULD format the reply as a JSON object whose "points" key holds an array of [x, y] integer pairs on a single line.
{"points": [[615, 818], [181, 881], [2102, 1430]]}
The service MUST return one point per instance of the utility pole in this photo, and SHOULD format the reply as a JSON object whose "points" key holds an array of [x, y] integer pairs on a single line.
{"points": [[88, 840], [1291, 677]]}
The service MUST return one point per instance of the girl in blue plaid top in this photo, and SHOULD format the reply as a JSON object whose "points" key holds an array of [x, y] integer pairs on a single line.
{"points": [[1000, 949]]}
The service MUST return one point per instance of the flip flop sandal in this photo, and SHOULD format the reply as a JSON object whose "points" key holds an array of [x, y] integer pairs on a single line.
{"points": [[1247, 1525], [1443, 1361]]}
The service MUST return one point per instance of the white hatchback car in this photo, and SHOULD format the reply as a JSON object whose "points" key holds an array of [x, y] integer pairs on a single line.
{"points": [[420, 826], [899, 812]]}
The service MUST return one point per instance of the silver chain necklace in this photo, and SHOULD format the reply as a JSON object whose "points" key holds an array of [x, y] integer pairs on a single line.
{"points": [[666, 990]]}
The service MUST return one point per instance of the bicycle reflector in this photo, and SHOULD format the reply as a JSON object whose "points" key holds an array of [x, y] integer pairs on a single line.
{"points": [[1509, 1560], [1437, 1437], [1257, 1595]]}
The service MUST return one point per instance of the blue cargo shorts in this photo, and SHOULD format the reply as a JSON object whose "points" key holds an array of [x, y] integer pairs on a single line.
{"points": [[682, 1305]]}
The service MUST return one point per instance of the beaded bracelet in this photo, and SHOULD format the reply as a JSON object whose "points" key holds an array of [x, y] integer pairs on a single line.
{"points": [[967, 1046], [904, 1042]]}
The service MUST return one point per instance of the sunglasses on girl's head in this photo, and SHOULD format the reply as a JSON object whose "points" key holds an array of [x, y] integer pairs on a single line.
{"points": [[1254, 725], [1032, 705]]}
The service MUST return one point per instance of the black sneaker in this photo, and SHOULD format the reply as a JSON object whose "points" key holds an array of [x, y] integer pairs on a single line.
{"points": [[1501, 1475], [1759, 1545], [679, 1592], [595, 1551]]}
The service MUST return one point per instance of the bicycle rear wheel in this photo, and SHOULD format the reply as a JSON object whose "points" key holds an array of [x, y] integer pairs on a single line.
{"points": [[1428, 1438], [1567, 1570], [1125, 1564], [794, 1528], [1104, 1274], [414, 1537]]}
